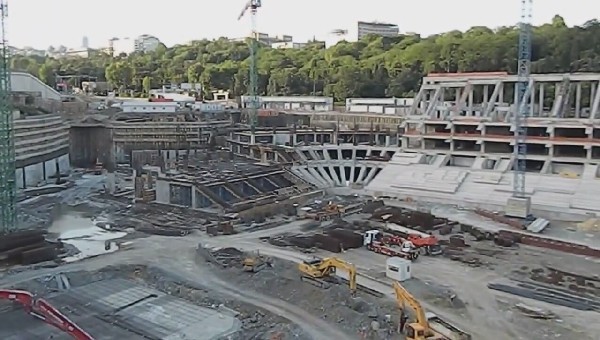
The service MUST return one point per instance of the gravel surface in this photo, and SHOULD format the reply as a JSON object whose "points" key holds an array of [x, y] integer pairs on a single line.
{"points": [[367, 316]]}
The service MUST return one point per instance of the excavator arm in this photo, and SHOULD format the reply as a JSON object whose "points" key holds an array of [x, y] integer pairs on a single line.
{"points": [[319, 269], [341, 264], [41, 309], [404, 297]]}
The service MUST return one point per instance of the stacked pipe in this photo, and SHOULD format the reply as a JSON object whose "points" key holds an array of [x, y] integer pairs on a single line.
{"points": [[327, 243], [349, 239], [26, 247]]}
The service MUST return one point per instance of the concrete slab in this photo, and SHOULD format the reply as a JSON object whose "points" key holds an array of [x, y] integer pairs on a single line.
{"points": [[121, 309]]}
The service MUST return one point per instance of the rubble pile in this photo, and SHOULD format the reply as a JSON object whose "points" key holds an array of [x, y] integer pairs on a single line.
{"points": [[364, 315]]}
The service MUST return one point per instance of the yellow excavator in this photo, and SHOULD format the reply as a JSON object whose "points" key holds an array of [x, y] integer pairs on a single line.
{"points": [[319, 271], [425, 327]]}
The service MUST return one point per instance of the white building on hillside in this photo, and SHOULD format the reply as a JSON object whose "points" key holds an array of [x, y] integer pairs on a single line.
{"points": [[149, 107], [377, 28], [146, 43]]}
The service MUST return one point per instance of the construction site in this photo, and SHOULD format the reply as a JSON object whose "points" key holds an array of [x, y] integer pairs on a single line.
{"points": [[282, 219]]}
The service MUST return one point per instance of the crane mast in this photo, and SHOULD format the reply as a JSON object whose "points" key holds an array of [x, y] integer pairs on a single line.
{"points": [[252, 6], [521, 107], [7, 147]]}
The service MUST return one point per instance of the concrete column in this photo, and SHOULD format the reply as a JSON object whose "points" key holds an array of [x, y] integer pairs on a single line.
{"points": [[111, 184], [589, 153], [592, 96], [457, 95], [470, 104], [387, 140], [532, 100], [541, 100], [486, 94], [578, 100]]}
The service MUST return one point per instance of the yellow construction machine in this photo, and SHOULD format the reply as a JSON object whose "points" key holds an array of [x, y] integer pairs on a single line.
{"points": [[425, 327], [320, 271], [255, 262]]}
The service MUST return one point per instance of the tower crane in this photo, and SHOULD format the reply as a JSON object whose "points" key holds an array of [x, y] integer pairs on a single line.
{"points": [[519, 204], [522, 109], [252, 6], [7, 141]]}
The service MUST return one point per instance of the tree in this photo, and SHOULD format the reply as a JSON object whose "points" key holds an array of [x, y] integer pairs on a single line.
{"points": [[120, 74], [372, 67], [147, 84], [47, 74]]}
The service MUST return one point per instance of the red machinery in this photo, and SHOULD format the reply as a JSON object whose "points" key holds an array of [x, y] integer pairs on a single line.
{"points": [[387, 245], [41, 309], [429, 243]]}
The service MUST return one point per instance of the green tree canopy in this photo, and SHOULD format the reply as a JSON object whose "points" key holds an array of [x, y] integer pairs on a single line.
{"points": [[372, 67]]}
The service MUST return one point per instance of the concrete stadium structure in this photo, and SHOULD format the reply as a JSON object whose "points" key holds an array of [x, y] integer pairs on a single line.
{"points": [[443, 179], [458, 133], [41, 149], [456, 144], [27, 83], [41, 141], [342, 165]]}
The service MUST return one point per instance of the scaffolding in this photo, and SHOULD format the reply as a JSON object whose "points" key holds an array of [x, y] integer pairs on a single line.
{"points": [[7, 147]]}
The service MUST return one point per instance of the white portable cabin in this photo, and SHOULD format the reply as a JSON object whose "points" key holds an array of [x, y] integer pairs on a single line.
{"points": [[398, 269]]}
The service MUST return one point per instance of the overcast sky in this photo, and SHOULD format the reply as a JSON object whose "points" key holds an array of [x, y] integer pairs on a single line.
{"points": [[41, 23]]}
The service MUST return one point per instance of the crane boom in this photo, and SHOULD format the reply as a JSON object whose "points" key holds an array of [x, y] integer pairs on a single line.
{"points": [[43, 310], [252, 6]]}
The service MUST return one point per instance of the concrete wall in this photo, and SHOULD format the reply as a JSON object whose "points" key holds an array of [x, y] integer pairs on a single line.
{"points": [[25, 82], [163, 194], [89, 144], [41, 149], [42, 173]]}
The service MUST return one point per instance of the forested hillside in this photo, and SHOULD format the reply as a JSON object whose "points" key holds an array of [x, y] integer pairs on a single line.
{"points": [[373, 67]]}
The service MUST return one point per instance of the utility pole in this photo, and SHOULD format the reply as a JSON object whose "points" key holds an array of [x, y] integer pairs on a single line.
{"points": [[252, 6], [8, 187]]}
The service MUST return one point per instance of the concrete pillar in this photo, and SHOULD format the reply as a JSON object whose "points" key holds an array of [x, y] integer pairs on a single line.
{"points": [[578, 100], [111, 183], [541, 100], [470, 104], [592, 96], [486, 94], [532, 100], [387, 140]]}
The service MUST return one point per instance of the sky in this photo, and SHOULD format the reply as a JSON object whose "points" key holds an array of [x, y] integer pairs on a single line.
{"points": [[41, 23]]}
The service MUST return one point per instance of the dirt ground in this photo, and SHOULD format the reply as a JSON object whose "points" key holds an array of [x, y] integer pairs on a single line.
{"points": [[365, 315], [275, 304]]}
